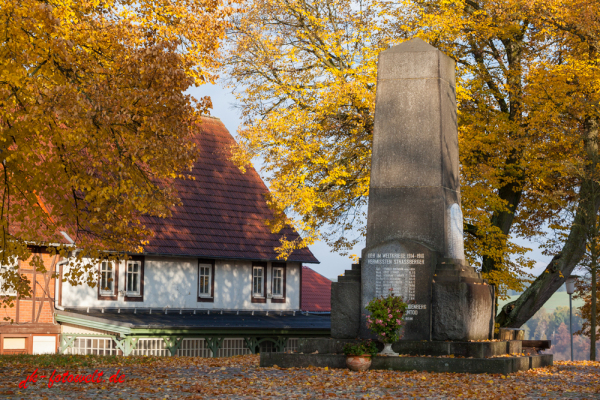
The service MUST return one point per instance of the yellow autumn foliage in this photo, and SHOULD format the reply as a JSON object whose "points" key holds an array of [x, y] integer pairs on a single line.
{"points": [[94, 119], [305, 73]]}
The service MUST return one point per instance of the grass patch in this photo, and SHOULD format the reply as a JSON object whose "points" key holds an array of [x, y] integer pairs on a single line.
{"points": [[73, 361]]}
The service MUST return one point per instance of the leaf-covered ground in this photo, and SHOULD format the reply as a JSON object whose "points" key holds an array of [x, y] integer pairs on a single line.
{"points": [[242, 378]]}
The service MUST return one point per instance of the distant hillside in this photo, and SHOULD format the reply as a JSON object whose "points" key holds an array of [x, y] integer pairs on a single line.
{"points": [[558, 299]]}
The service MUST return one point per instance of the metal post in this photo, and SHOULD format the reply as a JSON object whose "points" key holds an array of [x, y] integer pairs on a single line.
{"points": [[570, 285], [571, 323]]}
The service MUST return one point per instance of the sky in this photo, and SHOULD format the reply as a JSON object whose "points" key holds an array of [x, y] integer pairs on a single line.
{"points": [[332, 264]]}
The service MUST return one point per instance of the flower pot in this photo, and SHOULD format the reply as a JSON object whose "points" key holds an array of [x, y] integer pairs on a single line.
{"points": [[387, 350], [358, 363]]}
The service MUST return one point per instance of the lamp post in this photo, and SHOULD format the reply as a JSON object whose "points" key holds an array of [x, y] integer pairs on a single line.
{"points": [[570, 284]]}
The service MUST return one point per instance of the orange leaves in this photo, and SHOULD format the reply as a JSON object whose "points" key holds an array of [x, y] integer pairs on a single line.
{"points": [[94, 117]]}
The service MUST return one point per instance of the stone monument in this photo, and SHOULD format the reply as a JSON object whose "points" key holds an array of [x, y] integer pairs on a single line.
{"points": [[414, 225], [415, 239]]}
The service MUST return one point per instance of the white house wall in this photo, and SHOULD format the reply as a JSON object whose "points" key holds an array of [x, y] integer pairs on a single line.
{"points": [[69, 328], [173, 283]]}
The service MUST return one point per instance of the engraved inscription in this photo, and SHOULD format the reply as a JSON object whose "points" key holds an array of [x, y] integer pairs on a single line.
{"points": [[394, 271], [406, 268], [395, 258], [400, 279]]}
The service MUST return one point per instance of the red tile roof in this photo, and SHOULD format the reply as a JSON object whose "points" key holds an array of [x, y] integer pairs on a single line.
{"points": [[316, 291], [223, 209]]}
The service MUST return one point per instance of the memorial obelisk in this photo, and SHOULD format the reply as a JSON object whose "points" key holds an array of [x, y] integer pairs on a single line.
{"points": [[414, 226], [414, 237]]}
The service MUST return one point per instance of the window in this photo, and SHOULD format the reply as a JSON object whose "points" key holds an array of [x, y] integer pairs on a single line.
{"points": [[107, 278], [205, 273], [132, 284], [15, 345], [259, 284], [134, 279], [4, 290], [108, 285], [206, 280], [257, 281], [278, 282]]}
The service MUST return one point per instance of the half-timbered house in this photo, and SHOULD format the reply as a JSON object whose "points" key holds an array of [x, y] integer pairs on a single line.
{"points": [[29, 327]]}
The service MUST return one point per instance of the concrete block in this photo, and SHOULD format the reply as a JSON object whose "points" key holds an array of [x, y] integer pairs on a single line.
{"points": [[511, 334], [514, 347], [284, 360], [461, 311], [345, 309], [323, 345], [541, 360]]}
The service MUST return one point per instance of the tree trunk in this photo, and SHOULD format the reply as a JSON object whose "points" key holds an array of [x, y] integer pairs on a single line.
{"points": [[516, 313], [510, 193]]}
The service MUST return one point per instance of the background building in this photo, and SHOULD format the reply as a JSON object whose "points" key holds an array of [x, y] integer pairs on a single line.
{"points": [[209, 283]]}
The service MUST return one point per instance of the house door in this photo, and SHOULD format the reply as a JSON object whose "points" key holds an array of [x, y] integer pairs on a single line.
{"points": [[44, 345]]}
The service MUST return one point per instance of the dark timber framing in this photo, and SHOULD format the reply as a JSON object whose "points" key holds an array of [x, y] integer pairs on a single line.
{"points": [[29, 308], [37, 297]]}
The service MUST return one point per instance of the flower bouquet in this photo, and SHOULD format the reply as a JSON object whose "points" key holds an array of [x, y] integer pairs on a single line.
{"points": [[386, 320]]}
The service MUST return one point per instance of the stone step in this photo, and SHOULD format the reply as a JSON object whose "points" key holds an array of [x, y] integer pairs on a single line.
{"points": [[419, 348], [446, 260], [356, 267], [499, 365], [449, 266], [451, 272], [349, 279], [454, 279], [452, 267], [511, 334], [351, 272]]}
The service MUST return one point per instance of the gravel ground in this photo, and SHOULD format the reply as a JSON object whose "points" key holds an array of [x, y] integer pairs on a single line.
{"points": [[241, 378]]}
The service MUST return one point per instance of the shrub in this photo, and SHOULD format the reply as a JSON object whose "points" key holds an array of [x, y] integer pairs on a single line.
{"points": [[360, 348]]}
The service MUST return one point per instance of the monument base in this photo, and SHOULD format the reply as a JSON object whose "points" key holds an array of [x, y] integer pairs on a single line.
{"points": [[493, 357], [499, 365], [462, 303], [461, 307]]}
